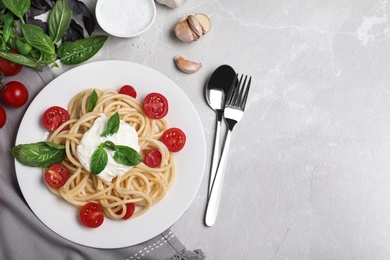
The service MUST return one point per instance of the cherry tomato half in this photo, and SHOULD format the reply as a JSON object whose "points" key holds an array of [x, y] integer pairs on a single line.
{"points": [[56, 176], [155, 105], [8, 68], [54, 117], [14, 94], [130, 208], [91, 215], [3, 117], [174, 139], [152, 158], [128, 90]]}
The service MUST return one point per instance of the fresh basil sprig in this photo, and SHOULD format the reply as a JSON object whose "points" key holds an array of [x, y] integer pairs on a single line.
{"points": [[92, 101], [124, 155], [41, 154], [39, 43], [112, 126]]}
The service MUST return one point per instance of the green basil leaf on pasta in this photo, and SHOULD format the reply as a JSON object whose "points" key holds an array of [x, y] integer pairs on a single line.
{"points": [[92, 101], [99, 161], [41, 154], [126, 156], [112, 126], [109, 145]]}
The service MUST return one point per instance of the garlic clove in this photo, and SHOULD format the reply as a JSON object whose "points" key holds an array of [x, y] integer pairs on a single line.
{"points": [[183, 31], [195, 25], [187, 66], [204, 21]]}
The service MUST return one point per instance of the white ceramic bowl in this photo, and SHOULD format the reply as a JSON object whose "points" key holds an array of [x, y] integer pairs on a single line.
{"points": [[125, 18]]}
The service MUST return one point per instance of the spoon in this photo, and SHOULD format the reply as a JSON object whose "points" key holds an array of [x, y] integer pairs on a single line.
{"points": [[217, 89]]}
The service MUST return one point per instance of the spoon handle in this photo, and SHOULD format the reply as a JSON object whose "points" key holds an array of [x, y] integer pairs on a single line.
{"points": [[216, 151], [217, 183]]}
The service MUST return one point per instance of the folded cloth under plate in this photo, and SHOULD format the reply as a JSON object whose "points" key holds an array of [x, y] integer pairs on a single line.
{"points": [[24, 236]]}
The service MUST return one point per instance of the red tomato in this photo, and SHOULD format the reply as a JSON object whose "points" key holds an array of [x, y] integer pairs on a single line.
{"points": [[14, 94], [128, 90], [54, 117], [152, 158], [56, 176], [9, 68], [3, 117], [130, 208], [155, 105], [174, 139], [91, 215]]}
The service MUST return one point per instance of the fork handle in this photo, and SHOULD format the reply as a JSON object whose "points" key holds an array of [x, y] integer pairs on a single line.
{"points": [[216, 187], [216, 151]]}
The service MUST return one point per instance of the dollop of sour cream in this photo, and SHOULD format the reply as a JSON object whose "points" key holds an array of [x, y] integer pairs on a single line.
{"points": [[126, 135]]}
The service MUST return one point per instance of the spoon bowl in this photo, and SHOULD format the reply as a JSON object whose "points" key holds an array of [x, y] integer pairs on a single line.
{"points": [[217, 88]]}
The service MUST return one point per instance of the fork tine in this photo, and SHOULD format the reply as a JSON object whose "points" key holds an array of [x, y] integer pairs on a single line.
{"points": [[232, 93], [239, 93], [245, 97]]}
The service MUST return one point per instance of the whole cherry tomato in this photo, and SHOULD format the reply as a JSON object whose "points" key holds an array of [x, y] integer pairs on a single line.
{"points": [[3, 117], [8, 68], [14, 94]]}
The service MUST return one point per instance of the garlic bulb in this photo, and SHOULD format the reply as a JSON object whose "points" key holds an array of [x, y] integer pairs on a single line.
{"points": [[171, 3], [192, 27]]}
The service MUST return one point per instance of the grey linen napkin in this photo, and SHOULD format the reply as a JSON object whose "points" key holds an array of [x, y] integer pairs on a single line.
{"points": [[24, 236]]}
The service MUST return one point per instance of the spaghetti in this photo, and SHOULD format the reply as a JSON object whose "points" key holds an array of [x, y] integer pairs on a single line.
{"points": [[141, 185]]}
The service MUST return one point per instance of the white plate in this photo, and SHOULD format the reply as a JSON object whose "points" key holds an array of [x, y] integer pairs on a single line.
{"points": [[61, 217]]}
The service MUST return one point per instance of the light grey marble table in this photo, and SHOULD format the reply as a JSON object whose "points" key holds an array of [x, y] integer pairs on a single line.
{"points": [[308, 175]]}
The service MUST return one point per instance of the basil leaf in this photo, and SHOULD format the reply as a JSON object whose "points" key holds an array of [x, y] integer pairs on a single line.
{"points": [[81, 50], [110, 145], [55, 146], [41, 154], [23, 47], [92, 101], [126, 155], [20, 59], [37, 38], [30, 19], [59, 20], [75, 32], [88, 18], [18, 7], [112, 126], [99, 160], [8, 26]]}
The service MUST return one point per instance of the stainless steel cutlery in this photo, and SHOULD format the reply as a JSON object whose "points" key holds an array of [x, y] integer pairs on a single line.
{"points": [[233, 112]]}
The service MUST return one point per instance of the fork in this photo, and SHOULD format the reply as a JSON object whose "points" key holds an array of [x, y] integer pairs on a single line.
{"points": [[234, 110]]}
